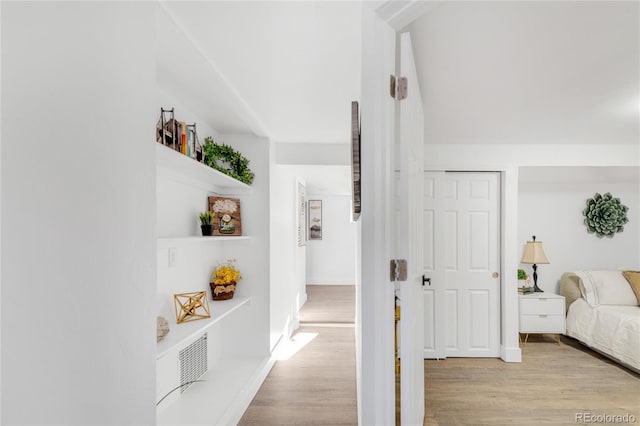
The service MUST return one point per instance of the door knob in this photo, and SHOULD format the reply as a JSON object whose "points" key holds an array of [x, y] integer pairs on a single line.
{"points": [[495, 275], [426, 280]]}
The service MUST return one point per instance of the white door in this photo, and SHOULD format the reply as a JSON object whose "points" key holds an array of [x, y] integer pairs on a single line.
{"points": [[374, 289], [463, 299], [409, 222], [434, 265]]}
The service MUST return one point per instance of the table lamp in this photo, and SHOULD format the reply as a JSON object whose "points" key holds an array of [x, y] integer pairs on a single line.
{"points": [[533, 253]]}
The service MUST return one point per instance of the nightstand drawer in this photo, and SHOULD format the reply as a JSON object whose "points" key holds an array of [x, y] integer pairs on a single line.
{"points": [[540, 305], [542, 323]]}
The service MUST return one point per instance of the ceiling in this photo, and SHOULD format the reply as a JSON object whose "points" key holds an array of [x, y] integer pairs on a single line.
{"points": [[490, 72], [294, 65], [530, 72]]}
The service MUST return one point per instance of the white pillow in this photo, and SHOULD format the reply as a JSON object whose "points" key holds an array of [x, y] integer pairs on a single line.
{"points": [[587, 288], [606, 288]]}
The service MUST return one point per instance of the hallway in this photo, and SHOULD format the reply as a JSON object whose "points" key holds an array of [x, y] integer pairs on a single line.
{"points": [[316, 385]]}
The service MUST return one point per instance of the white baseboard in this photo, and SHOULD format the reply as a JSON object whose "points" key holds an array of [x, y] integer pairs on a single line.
{"points": [[292, 325], [295, 323], [243, 400], [510, 354], [318, 281]]}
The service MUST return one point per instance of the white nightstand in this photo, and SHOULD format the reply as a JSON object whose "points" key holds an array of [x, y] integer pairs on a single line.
{"points": [[542, 313]]}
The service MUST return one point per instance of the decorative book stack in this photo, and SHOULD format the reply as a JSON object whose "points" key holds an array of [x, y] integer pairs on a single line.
{"points": [[178, 135], [525, 290]]}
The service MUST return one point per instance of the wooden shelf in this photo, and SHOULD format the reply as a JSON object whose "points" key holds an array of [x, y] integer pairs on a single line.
{"points": [[177, 166], [199, 240], [181, 333]]}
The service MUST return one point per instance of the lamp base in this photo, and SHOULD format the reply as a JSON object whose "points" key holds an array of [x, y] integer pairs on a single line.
{"points": [[536, 289]]}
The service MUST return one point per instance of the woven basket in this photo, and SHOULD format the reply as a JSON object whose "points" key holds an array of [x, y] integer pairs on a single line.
{"points": [[222, 291]]}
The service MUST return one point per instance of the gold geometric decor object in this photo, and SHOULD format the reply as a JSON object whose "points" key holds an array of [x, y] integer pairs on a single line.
{"points": [[191, 306]]}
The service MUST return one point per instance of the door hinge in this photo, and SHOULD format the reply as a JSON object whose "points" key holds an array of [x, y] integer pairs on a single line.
{"points": [[398, 87], [398, 270]]}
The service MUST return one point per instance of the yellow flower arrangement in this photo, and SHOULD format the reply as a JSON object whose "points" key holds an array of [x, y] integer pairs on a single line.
{"points": [[226, 273], [224, 279]]}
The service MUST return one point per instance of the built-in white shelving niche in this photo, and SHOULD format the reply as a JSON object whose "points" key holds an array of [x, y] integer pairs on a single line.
{"points": [[238, 334]]}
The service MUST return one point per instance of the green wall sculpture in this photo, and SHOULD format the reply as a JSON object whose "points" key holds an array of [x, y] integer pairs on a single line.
{"points": [[605, 215]]}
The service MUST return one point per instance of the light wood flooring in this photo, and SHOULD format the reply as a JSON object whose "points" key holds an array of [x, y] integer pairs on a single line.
{"points": [[552, 385], [316, 386], [329, 304]]}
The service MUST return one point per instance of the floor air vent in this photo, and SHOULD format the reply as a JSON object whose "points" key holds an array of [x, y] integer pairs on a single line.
{"points": [[193, 362]]}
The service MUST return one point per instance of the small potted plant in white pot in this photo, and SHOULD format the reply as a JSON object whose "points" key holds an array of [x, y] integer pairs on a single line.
{"points": [[522, 278], [206, 223]]}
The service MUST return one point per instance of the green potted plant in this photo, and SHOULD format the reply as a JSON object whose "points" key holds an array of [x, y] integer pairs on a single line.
{"points": [[522, 278], [206, 223]]}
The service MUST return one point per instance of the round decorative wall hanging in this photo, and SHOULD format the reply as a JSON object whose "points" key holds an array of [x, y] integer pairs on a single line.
{"points": [[605, 215]]}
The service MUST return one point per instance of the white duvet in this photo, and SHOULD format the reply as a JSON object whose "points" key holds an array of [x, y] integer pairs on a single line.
{"points": [[611, 329]]}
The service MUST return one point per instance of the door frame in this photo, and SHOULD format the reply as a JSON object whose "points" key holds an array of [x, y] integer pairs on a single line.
{"points": [[409, 225]]}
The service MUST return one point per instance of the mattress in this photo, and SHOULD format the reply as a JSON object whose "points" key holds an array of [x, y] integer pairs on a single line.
{"points": [[611, 329]]}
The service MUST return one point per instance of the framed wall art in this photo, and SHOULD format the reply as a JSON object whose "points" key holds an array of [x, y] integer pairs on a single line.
{"points": [[228, 220], [355, 162], [315, 219]]}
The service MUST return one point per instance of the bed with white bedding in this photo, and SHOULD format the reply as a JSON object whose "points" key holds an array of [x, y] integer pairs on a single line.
{"points": [[603, 314]]}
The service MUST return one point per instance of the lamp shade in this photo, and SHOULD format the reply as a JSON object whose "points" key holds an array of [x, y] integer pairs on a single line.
{"points": [[534, 253]]}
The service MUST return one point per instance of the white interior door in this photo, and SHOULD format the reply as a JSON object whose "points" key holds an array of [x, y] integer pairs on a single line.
{"points": [[464, 294], [434, 265], [409, 221], [472, 224]]}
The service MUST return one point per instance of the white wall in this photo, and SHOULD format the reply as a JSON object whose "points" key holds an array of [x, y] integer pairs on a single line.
{"points": [[78, 221], [532, 155], [321, 154], [285, 285], [255, 223], [178, 207], [332, 260], [552, 211]]}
